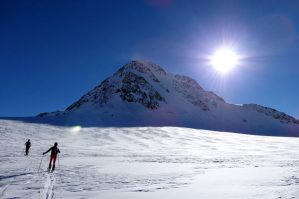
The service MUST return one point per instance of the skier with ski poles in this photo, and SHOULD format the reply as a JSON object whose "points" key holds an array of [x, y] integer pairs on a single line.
{"points": [[28, 145], [54, 152]]}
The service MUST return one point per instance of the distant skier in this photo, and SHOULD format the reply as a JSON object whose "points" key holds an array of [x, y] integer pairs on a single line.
{"points": [[54, 152], [27, 145]]}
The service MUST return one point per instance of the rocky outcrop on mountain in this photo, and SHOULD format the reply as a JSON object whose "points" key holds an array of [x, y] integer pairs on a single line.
{"points": [[194, 93], [127, 85], [282, 117]]}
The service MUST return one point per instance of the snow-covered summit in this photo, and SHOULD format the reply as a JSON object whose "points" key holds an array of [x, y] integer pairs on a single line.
{"points": [[149, 85], [142, 93], [131, 83]]}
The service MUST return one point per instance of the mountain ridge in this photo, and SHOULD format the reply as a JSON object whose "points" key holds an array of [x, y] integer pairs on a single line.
{"points": [[143, 93]]}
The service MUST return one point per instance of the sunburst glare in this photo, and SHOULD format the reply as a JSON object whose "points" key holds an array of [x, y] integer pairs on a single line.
{"points": [[224, 60]]}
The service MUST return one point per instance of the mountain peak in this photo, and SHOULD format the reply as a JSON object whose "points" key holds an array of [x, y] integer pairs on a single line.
{"points": [[144, 67], [132, 83]]}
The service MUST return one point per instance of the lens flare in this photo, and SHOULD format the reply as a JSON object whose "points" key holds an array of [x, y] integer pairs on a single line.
{"points": [[75, 129]]}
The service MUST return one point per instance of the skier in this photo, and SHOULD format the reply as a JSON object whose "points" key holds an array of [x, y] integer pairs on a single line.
{"points": [[54, 152], [28, 145]]}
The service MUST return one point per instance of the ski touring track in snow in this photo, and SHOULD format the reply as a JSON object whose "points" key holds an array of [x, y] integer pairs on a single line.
{"points": [[30, 175], [3, 190], [49, 186]]}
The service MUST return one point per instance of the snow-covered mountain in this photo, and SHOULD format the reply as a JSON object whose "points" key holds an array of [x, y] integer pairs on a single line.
{"points": [[143, 94]]}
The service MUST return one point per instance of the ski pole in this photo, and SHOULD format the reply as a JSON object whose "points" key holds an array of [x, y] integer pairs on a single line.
{"points": [[40, 163], [58, 161]]}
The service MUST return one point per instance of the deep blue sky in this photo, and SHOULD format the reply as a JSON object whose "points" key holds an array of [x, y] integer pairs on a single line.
{"points": [[53, 52]]}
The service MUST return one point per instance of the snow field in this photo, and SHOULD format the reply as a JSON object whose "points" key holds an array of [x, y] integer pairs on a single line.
{"points": [[146, 162]]}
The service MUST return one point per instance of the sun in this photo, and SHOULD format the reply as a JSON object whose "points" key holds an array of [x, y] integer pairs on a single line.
{"points": [[224, 60]]}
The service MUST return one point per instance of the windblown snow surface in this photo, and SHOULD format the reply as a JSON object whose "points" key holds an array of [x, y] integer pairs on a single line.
{"points": [[146, 162]]}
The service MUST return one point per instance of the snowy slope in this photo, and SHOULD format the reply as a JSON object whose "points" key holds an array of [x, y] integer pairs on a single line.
{"points": [[144, 94], [146, 162]]}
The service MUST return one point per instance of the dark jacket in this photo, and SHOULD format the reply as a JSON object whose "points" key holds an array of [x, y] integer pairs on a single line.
{"points": [[28, 144], [54, 150]]}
